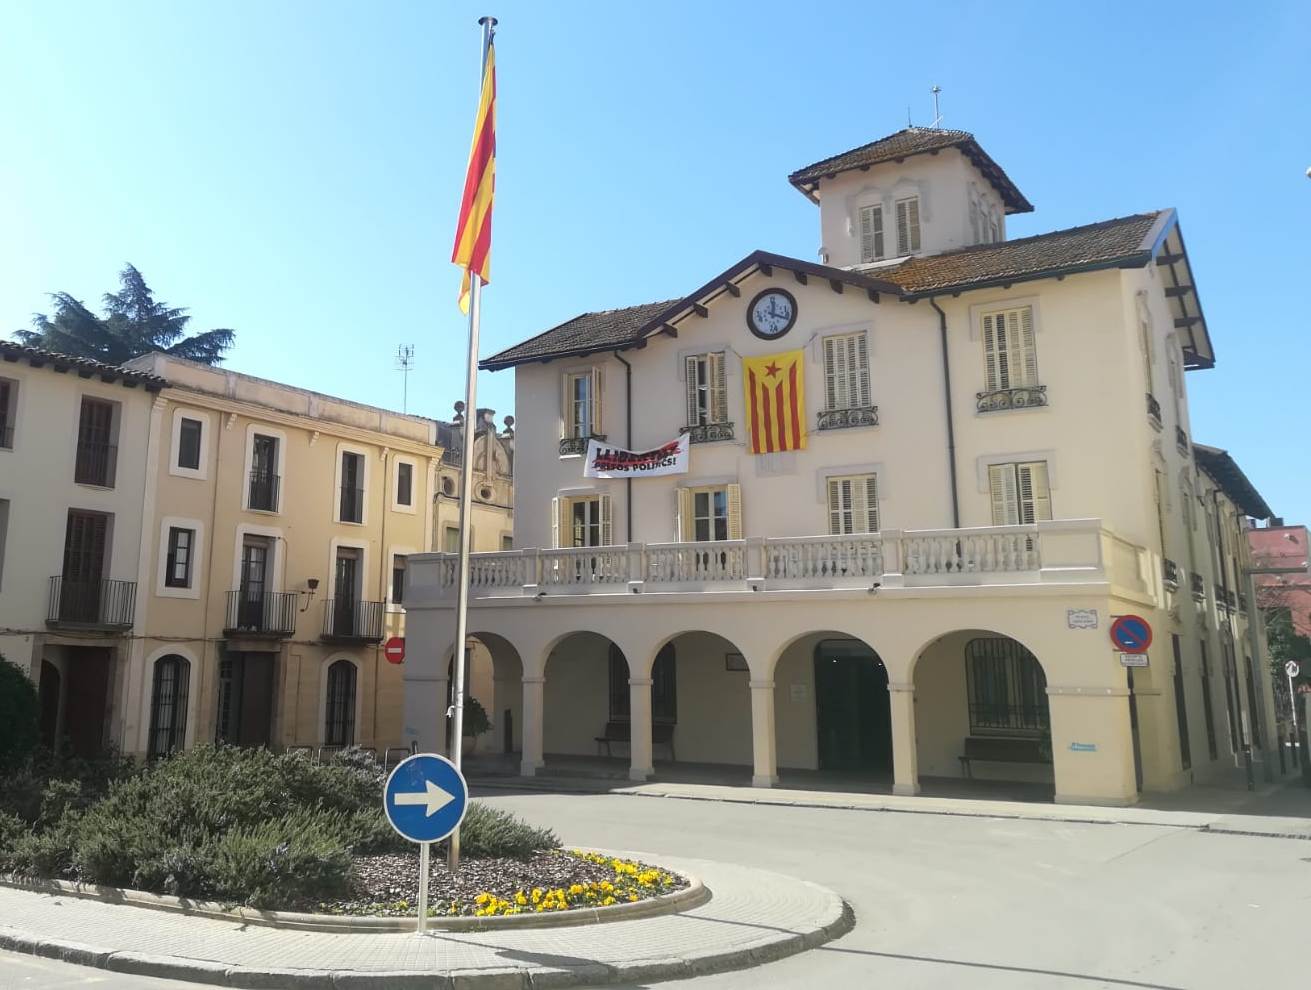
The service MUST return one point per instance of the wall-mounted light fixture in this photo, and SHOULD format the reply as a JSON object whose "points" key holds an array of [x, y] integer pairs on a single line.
{"points": [[313, 585]]}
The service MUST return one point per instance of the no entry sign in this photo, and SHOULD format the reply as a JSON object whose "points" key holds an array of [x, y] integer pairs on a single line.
{"points": [[1131, 634], [394, 649]]}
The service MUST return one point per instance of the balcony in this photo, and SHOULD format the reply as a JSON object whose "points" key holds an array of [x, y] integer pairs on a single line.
{"points": [[1170, 574], [6, 437], [1198, 587], [260, 614], [578, 445], [348, 620], [1153, 411], [1075, 550], [351, 504], [1011, 398], [842, 419], [1242, 602], [1224, 598], [108, 605], [707, 433], [95, 463], [263, 491], [1181, 440]]}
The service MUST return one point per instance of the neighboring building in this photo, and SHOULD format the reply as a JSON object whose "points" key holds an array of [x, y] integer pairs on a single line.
{"points": [[279, 525], [983, 457], [1278, 545], [72, 493]]}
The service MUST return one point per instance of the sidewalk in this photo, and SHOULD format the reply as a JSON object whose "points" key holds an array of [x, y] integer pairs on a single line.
{"points": [[752, 917]]}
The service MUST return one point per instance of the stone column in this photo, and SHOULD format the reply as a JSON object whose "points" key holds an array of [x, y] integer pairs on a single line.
{"points": [[1092, 745], [533, 695], [905, 760], [764, 747], [639, 713], [425, 712]]}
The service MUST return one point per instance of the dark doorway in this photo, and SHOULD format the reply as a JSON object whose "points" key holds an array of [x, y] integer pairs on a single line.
{"points": [[86, 698], [245, 699], [48, 695], [852, 708], [254, 577], [84, 563]]}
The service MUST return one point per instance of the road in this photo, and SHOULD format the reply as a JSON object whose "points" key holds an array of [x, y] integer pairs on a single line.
{"points": [[947, 902]]}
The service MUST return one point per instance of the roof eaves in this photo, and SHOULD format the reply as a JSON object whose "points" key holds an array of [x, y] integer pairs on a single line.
{"points": [[1136, 260], [39, 357], [1222, 467]]}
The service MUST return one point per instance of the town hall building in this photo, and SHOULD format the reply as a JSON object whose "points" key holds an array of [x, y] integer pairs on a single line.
{"points": [[924, 476]]}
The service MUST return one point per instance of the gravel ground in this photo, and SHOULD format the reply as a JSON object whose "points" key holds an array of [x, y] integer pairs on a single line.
{"points": [[389, 884]]}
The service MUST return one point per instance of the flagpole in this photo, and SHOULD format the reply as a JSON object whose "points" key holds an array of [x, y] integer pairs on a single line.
{"points": [[466, 499]]}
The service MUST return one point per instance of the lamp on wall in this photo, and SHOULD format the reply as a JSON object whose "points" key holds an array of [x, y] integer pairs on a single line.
{"points": [[313, 585]]}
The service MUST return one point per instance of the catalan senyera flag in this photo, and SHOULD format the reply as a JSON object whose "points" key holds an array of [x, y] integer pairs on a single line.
{"points": [[776, 401], [473, 233]]}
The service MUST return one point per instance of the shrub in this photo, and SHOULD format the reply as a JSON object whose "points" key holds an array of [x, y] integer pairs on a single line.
{"points": [[300, 859], [476, 721], [44, 854], [11, 828], [491, 832], [19, 715]]}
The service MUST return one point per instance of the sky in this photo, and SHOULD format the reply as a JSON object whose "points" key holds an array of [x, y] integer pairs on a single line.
{"points": [[292, 169]]}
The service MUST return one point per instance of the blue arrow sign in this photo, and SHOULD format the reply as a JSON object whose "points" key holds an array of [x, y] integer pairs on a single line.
{"points": [[425, 798]]}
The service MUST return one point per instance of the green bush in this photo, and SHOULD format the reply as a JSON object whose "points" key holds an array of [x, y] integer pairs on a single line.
{"points": [[487, 832], [20, 714], [298, 859], [48, 853], [11, 828], [476, 721]]}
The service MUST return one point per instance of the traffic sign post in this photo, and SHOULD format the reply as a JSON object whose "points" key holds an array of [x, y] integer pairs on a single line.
{"points": [[1131, 634], [425, 799]]}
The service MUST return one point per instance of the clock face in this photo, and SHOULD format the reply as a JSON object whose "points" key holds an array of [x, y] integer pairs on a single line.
{"points": [[772, 313]]}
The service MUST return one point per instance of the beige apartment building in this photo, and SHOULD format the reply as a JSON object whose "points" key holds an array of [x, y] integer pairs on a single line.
{"points": [[72, 497], [997, 463]]}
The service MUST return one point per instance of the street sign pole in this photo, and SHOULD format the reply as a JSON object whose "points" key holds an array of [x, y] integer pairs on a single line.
{"points": [[425, 799], [424, 867]]}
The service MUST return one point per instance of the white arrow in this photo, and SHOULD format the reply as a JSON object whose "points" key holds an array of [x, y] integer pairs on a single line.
{"points": [[432, 796]]}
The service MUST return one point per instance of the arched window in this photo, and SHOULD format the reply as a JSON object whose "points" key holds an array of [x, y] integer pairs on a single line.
{"points": [[1007, 688], [168, 705], [339, 729]]}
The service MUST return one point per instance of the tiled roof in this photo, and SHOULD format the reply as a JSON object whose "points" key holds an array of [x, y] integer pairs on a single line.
{"points": [[582, 335], [1095, 245], [904, 144], [1232, 481], [39, 357]]}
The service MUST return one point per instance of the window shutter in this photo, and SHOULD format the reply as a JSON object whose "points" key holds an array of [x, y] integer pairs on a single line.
{"points": [[1029, 345], [734, 493], [718, 388], [1035, 495], [860, 367], [872, 503], [596, 401], [974, 221], [566, 405], [559, 521], [835, 506], [607, 531], [902, 233], [692, 382], [831, 351], [686, 525], [913, 221], [1005, 507], [990, 353], [871, 233]]}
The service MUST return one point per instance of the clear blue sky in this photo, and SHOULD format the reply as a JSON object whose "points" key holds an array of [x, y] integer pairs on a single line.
{"points": [[292, 169]]}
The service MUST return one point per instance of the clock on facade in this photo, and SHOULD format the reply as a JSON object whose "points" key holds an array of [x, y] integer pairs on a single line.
{"points": [[772, 313]]}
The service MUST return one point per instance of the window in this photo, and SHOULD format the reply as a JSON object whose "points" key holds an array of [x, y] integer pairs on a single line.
{"points": [[853, 504], [96, 451], [451, 539], [871, 233], [8, 404], [664, 686], [1181, 705], [1007, 688], [398, 579], [404, 483], [1207, 711], [846, 372], [352, 488], [583, 522], [908, 225], [707, 393], [181, 544], [994, 229], [582, 403], [264, 473], [1010, 356], [339, 727], [4, 532], [975, 232], [189, 444], [711, 513], [1020, 493], [507, 541], [168, 705]]}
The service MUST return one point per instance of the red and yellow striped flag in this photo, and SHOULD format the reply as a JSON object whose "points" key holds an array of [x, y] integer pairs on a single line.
{"points": [[473, 234], [776, 401]]}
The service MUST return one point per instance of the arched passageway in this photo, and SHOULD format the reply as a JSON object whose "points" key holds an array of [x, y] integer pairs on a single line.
{"points": [[586, 688], [493, 677], [700, 701]]}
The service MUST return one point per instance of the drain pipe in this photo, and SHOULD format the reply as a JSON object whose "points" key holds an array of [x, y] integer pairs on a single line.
{"points": [[628, 420], [951, 427]]}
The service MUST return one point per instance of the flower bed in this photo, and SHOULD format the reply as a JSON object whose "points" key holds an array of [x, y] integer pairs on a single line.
{"points": [[550, 880]]}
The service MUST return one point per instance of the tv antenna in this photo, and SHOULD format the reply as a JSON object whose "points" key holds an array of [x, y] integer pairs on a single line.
{"points": [[404, 364], [937, 112]]}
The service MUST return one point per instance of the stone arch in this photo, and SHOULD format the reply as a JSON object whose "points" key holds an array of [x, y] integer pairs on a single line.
{"points": [[494, 677], [167, 724], [341, 700], [585, 679]]}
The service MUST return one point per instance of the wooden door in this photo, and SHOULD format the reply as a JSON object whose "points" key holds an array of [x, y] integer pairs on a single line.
{"points": [[84, 565]]}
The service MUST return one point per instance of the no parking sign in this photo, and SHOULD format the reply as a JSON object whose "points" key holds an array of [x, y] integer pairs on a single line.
{"points": [[1131, 634]]}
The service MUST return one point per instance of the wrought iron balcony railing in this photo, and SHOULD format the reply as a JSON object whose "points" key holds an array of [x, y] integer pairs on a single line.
{"points": [[349, 619], [263, 491], [578, 445], [1181, 440], [1012, 398], [1170, 573], [841, 419], [260, 613], [1198, 585], [1153, 411], [1224, 598], [709, 432], [91, 604], [352, 504], [95, 463]]}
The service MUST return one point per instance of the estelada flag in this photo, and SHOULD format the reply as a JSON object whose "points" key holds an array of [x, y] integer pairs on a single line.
{"points": [[776, 401], [473, 233]]}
